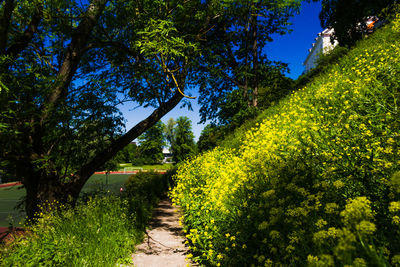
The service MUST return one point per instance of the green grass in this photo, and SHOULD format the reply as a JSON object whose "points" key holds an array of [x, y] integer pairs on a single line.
{"points": [[112, 182], [9, 196], [129, 167], [97, 233]]}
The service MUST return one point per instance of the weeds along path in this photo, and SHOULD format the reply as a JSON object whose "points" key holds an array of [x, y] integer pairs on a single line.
{"points": [[164, 244]]}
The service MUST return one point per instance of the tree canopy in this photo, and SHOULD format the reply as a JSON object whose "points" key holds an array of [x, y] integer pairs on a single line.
{"points": [[65, 66], [234, 54], [209, 137], [183, 145], [152, 142]]}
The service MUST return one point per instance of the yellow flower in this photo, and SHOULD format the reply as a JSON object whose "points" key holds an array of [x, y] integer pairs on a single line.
{"points": [[366, 228], [396, 220], [394, 206]]}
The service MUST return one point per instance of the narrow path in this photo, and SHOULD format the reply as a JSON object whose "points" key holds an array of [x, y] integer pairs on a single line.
{"points": [[164, 243]]}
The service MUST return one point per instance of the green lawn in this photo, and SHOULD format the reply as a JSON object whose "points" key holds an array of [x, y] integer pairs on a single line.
{"points": [[9, 196], [112, 182], [129, 167]]}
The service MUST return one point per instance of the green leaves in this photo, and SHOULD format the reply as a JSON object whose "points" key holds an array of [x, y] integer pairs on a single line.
{"points": [[152, 142], [348, 18], [160, 37], [182, 145]]}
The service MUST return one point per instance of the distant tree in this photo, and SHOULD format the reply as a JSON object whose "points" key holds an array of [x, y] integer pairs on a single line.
{"points": [[209, 137], [170, 130], [128, 154], [183, 144], [347, 17], [274, 85], [152, 143], [234, 109], [234, 54], [111, 165]]}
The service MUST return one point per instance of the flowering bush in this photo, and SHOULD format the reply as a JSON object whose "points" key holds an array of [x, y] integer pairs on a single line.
{"points": [[313, 183]]}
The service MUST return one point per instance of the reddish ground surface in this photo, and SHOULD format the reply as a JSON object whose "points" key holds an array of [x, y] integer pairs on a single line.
{"points": [[10, 184], [7, 236], [127, 172]]}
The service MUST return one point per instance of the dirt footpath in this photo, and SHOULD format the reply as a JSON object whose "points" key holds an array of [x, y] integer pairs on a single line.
{"points": [[164, 243]]}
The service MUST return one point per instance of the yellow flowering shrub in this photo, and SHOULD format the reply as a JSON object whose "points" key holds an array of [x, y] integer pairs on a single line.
{"points": [[312, 183]]}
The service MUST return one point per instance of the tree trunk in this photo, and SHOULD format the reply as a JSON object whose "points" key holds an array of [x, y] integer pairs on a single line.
{"points": [[75, 51], [44, 191], [47, 185], [255, 62]]}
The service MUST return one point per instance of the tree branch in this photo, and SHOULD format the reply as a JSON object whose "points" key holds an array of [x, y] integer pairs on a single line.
{"points": [[120, 46], [88, 169], [24, 39], [5, 24], [75, 50]]}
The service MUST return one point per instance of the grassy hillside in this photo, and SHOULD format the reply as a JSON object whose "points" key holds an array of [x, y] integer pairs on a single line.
{"points": [[314, 182]]}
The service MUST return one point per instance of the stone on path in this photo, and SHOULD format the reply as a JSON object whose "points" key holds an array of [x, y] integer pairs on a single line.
{"points": [[164, 244]]}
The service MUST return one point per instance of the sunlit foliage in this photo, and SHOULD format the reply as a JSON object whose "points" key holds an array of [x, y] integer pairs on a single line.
{"points": [[315, 182]]}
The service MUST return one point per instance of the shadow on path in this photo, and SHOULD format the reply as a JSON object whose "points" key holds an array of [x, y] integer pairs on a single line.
{"points": [[164, 244]]}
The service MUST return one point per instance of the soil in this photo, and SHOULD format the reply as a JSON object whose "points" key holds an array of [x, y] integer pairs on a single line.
{"points": [[164, 244]]}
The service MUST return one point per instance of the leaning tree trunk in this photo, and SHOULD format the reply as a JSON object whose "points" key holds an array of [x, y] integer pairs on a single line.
{"points": [[44, 187]]}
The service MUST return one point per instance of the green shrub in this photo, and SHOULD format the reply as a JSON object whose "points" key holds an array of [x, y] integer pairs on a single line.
{"points": [[314, 182], [143, 191]]}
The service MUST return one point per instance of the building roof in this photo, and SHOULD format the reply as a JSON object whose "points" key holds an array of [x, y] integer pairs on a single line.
{"points": [[166, 151]]}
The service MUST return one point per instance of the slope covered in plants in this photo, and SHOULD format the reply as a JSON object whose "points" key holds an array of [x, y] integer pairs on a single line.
{"points": [[315, 182]]}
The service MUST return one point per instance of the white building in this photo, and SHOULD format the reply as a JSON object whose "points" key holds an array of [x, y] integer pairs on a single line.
{"points": [[322, 45], [167, 155]]}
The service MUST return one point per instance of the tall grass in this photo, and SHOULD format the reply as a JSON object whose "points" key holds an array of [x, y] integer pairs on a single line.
{"points": [[96, 233], [100, 231]]}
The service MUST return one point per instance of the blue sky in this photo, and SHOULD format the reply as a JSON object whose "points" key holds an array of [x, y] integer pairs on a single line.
{"points": [[291, 48]]}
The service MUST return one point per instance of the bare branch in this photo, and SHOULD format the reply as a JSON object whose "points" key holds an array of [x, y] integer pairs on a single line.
{"points": [[168, 72]]}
